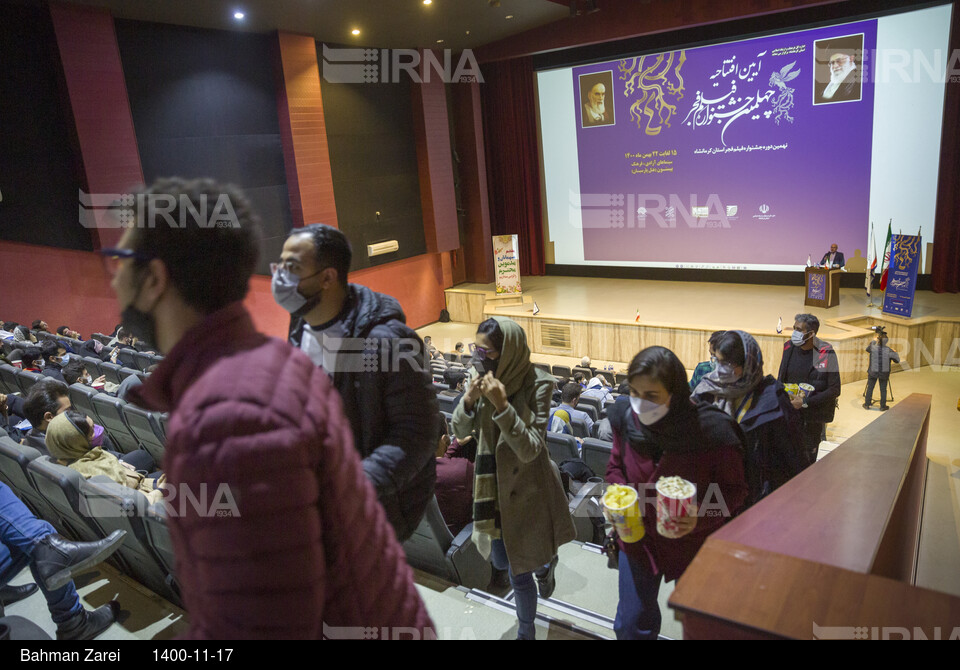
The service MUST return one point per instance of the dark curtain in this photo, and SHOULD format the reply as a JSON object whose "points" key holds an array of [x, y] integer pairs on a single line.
{"points": [[946, 244], [513, 157]]}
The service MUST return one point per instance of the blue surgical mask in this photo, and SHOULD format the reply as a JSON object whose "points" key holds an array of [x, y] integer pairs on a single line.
{"points": [[798, 338], [284, 287]]}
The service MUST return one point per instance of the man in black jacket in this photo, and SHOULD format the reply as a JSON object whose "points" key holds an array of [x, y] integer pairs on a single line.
{"points": [[377, 364], [809, 360]]}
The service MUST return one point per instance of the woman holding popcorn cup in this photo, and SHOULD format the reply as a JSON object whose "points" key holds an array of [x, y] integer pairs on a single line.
{"points": [[685, 460]]}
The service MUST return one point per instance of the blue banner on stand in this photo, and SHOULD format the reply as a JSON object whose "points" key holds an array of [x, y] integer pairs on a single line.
{"points": [[902, 275]]}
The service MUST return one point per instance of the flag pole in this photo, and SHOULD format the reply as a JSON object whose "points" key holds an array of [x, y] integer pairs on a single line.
{"points": [[871, 265]]}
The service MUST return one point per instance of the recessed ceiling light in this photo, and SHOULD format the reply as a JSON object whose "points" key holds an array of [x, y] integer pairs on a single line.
{"points": [[355, 31], [439, 41], [427, 2], [238, 16], [509, 16]]}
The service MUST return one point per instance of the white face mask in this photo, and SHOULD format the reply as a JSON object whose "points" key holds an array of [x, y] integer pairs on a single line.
{"points": [[648, 412]]}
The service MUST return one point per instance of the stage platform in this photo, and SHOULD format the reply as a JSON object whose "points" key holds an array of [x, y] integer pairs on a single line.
{"points": [[599, 318]]}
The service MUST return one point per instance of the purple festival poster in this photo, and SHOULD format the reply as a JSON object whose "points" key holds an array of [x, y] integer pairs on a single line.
{"points": [[745, 152]]}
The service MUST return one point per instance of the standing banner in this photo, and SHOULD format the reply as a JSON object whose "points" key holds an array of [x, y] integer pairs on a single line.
{"points": [[507, 263], [902, 275]]}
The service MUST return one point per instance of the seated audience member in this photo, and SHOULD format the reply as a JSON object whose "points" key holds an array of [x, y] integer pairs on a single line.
{"points": [[64, 331], [580, 379], [23, 334], [68, 442], [568, 402], [433, 353], [6, 330], [75, 372], [585, 363], [774, 442], [52, 352], [560, 422], [26, 541], [41, 326], [454, 379], [706, 366], [96, 349], [124, 339], [558, 391], [51, 398], [454, 487], [598, 388], [31, 360], [44, 401], [458, 348]]}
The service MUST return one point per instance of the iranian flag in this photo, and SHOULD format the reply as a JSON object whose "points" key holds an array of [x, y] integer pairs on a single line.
{"points": [[871, 261], [885, 265]]}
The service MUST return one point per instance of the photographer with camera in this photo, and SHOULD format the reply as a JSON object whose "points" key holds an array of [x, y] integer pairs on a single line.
{"points": [[879, 368]]}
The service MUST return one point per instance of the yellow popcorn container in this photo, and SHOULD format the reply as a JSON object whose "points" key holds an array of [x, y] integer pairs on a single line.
{"points": [[621, 506]]}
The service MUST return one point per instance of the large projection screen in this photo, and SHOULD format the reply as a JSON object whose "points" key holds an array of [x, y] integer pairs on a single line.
{"points": [[751, 154]]}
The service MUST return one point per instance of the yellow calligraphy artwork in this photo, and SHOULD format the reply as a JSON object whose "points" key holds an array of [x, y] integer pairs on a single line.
{"points": [[656, 79], [906, 251]]}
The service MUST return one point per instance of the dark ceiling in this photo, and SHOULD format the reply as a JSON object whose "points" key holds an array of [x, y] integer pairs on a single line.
{"points": [[395, 24]]}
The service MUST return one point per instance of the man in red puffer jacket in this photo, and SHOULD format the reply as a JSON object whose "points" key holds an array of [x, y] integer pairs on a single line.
{"points": [[294, 544]]}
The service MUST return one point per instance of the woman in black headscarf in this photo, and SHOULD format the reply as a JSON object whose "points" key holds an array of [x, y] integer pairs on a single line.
{"points": [[774, 444]]}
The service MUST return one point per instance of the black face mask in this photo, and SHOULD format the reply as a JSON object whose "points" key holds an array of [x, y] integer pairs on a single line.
{"points": [[140, 324], [490, 365]]}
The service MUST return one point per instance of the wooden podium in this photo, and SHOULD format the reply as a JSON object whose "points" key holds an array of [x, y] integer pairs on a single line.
{"points": [[822, 287]]}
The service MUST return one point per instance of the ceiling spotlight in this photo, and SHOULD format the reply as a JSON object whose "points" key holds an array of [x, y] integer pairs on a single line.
{"points": [[428, 2], [238, 16], [355, 31], [509, 16], [439, 41]]}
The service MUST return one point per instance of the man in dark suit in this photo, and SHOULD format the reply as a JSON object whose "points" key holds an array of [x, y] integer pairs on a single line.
{"points": [[833, 258]]}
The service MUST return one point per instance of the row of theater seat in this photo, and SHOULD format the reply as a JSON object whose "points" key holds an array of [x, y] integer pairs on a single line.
{"points": [[90, 509], [128, 358], [129, 427]]}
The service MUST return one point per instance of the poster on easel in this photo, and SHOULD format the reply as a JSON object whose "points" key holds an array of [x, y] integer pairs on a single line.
{"points": [[506, 261], [902, 275]]}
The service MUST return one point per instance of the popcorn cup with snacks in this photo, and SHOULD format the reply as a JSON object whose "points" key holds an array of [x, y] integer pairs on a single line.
{"points": [[676, 497], [805, 390], [621, 506]]}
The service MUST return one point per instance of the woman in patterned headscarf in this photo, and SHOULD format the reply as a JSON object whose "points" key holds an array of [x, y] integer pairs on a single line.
{"points": [[774, 446], [520, 510]]}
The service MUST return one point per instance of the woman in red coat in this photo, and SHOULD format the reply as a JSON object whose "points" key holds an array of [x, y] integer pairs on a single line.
{"points": [[660, 432]]}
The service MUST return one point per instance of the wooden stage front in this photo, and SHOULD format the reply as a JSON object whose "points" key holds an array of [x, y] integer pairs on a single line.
{"points": [[598, 318]]}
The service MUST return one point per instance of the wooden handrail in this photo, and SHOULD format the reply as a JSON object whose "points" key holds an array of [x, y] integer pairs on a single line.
{"points": [[850, 521]]}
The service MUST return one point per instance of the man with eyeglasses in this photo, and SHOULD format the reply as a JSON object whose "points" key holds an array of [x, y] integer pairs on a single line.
{"points": [[377, 364], [844, 82], [305, 547]]}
